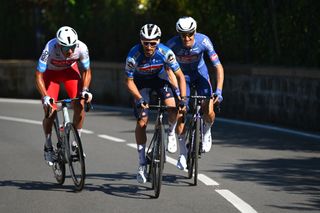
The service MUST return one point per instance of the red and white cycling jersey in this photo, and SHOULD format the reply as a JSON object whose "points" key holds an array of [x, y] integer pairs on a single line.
{"points": [[52, 57]]}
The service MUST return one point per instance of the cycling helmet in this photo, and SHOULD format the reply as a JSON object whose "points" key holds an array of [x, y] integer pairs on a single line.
{"points": [[186, 25], [150, 31], [66, 36]]}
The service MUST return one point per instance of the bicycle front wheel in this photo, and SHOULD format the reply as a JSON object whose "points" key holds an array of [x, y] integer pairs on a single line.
{"points": [[193, 151], [75, 156], [158, 161], [196, 150]]}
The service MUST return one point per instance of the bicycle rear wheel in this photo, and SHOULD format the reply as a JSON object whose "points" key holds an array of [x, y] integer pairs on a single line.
{"points": [[59, 168], [75, 156], [157, 163]]}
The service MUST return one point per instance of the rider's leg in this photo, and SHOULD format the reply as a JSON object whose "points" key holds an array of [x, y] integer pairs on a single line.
{"points": [[141, 139], [51, 80], [72, 83], [172, 121], [208, 118]]}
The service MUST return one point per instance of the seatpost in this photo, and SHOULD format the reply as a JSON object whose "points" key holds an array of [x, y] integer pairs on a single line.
{"points": [[65, 113]]}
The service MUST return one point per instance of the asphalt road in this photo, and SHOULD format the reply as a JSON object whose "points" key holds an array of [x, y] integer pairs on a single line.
{"points": [[251, 168]]}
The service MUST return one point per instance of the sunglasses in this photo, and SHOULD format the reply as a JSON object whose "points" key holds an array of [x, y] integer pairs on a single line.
{"points": [[65, 49], [189, 35], [151, 43]]}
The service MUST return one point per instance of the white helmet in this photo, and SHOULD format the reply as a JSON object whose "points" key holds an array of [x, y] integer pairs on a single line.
{"points": [[66, 36], [186, 25], [150, 31]]}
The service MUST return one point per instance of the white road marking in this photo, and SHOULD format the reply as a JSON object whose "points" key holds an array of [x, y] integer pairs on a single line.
{"points": [[22, 120], [207, 181], [232, 198], [111, 138], [86, 131], [236, 201]]}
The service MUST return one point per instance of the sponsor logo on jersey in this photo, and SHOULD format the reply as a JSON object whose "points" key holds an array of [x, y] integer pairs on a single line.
{"points": [[171, 58], [44, 56], [150, 69], [188, 58], [62, 63], [214, 57]]}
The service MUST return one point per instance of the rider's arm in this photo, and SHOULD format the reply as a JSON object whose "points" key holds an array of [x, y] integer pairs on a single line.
{"points": [[220, 76], [40, 83], [86, 79], [181, 81], [215, 61], [133, 88]]}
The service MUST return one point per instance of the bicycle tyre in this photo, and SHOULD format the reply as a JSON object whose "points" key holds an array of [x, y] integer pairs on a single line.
{"points": [[158, 161], [75, 156], [190, 156], [196, 150], [59, 167]]}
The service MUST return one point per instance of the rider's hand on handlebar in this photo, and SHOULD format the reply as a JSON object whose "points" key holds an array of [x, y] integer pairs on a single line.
{"points": [[141, 103], [218, 97], [47, 101], [85, 94], [183, 104]]}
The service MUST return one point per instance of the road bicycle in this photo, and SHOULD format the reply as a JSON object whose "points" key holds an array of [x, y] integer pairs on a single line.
{"points": [[156, 149], [68, 149], [194, 135]]}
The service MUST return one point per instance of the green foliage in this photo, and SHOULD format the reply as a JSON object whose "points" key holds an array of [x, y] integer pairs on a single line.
{"points": [[268, 32]]}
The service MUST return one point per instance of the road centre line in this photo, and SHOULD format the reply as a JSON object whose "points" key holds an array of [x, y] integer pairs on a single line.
{"points": [[108, 137], [236, 201]]}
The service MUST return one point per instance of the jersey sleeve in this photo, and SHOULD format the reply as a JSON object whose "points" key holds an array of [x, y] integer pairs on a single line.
{"points": [[206, 42], [171, 60], [130, 67], [84, 57], [43, 60]]}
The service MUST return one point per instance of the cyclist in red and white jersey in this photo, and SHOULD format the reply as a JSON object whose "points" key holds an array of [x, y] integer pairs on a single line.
{"points": [[64, 60]]}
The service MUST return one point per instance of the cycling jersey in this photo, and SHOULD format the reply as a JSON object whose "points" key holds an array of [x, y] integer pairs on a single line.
{"points": [[192, 62], [191, 59], [138, 66], [52, 57]]}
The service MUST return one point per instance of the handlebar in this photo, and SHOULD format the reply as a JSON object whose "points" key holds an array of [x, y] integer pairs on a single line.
{"points": [[87, 107]]}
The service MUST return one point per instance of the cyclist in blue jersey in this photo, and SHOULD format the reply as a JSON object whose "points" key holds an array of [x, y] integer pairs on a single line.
{"points": [[146, 70], [189, 47]]}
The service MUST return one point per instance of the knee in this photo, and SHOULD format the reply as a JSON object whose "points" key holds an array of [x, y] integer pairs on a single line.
{"points": [[142, 123]]}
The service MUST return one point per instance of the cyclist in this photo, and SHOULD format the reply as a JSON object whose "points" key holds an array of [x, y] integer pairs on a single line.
{"points": [[146, 71], [60, 62], [189, 47]]}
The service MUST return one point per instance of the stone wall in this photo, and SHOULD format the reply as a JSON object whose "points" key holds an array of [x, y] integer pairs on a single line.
{"points": [[280, 96]]}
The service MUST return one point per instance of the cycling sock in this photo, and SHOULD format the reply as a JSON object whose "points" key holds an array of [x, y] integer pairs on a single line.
{"points": [[48, 142], [207, 127], [79, 132], [172, 127], [142, 154], [182, 145]]}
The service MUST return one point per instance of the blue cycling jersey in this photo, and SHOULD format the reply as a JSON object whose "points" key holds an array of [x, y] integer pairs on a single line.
{"points": [[191, 59], [138, 66]]}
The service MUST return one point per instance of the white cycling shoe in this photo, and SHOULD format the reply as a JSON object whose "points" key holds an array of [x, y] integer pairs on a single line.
{"points": [[182, 162], [207, 141], [172, 143], [141, 175]]}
